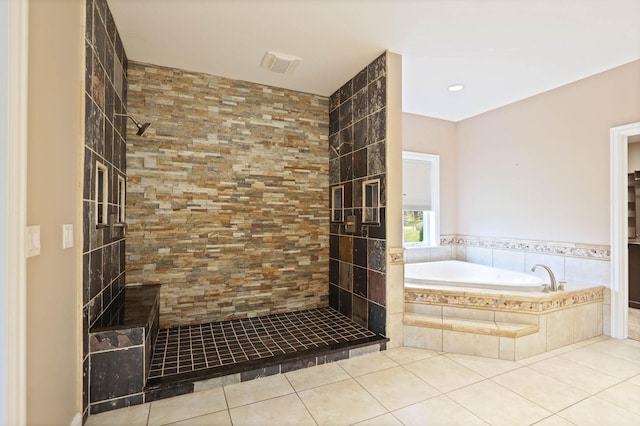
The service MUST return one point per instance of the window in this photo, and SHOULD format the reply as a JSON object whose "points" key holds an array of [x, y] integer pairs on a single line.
{"points": [[420, 199], [102, 189]]}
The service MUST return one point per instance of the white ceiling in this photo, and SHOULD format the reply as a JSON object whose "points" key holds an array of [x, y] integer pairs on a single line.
{"points": [[501, 50]]}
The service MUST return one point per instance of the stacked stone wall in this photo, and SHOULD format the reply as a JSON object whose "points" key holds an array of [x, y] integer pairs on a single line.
{"points": [[227, 196]]}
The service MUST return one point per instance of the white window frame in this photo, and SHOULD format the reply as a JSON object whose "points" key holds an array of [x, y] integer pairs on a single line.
{"points": [[433, 239]]}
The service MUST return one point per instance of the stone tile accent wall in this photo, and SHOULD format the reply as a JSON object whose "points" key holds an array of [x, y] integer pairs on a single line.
{"points": [[357, 128], [105, 95], [227, 203]]}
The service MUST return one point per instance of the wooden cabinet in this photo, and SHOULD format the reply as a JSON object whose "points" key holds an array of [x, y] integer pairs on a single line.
{"points": [[631, 205]]}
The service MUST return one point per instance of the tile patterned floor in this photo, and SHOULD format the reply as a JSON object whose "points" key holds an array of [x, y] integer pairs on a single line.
{"points": [[595, 382], [203, 346]]}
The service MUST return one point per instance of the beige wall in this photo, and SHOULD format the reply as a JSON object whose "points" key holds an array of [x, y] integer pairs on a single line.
{"points": [[54, 198], [433, 136], [539, 168]]}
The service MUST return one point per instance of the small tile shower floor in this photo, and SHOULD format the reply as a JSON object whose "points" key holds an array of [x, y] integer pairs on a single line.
{"points": [[192, 348], [595, 382]]}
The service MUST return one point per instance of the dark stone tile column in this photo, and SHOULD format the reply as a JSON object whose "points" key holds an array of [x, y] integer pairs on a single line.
{"points": [[357, 134]]}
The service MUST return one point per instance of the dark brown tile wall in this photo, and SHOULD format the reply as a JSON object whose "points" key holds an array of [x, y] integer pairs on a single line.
{"points": [[357, 131], [105, 96]]}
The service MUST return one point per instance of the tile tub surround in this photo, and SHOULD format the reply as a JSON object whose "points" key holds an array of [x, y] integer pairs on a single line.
{"points": [[121, 344], [498, 324], [105, 141], [227, 202], [357, 138], [579, 262]]}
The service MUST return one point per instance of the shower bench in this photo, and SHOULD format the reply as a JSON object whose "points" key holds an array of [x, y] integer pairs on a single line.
{"points": [[120, 348]]}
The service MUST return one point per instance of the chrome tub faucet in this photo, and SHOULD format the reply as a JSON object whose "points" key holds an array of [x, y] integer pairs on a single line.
{"points": [[553, 286]]}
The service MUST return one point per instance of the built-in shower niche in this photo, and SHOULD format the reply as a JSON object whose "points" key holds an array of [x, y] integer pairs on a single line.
{"points": [[120, 348]]}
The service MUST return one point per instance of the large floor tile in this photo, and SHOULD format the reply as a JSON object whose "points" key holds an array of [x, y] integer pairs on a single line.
{"points": [[404, 355], [597, 412], [396, 387], [574, 374], [627, 349], [221, 418], [497, 405], [541, 388], [384, 420], [437, 411], [443, 374], [341, 403], [486, 367], [186, 406], [324, 374], [593, 340], [554, 421], [625, 395], [366, 364], [603, 362], [257, 390], [550, 354], [134, 416], [284, 410]]}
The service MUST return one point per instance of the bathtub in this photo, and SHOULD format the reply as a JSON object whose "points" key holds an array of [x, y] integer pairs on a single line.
{"points": [[463, 274]]}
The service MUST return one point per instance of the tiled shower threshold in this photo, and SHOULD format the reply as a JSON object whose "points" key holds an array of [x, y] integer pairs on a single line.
{"points": [[197, 357]]}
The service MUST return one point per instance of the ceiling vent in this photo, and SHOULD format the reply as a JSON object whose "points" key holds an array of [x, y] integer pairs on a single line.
{"points": [[279, 62]]}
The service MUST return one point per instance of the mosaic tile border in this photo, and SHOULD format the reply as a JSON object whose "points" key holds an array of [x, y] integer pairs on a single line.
{"points": [[395, 256], [591, 251], [538, 303]]}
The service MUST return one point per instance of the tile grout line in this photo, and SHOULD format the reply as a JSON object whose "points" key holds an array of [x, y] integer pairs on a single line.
{"points": [[300, 398]]}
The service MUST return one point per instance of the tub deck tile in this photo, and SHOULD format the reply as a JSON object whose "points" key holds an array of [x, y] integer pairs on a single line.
{"points": [[491, 328]]}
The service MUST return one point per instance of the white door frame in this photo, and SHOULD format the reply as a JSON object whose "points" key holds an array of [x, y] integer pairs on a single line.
{"points": [[619, 137], [18, 48]]}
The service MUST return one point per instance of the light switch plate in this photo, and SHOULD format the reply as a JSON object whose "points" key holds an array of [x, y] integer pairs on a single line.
{"points": [[67, 236], [33, 240]]}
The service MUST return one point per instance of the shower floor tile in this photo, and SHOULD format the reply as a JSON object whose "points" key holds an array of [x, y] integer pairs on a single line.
{"points": [[192, 348]]}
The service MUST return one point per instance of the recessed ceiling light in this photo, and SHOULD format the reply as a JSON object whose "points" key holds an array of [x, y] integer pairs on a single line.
{"points": [[279, 62], [456, 87]]}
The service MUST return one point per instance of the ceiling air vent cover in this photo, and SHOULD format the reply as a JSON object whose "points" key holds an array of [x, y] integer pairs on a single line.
{"points": [[279, 62]]}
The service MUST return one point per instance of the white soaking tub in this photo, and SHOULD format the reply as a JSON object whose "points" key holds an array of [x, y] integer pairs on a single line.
{"points": [[455, 273]]}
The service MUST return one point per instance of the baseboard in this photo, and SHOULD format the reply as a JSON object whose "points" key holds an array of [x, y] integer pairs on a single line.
{"points": [[77, 420]]}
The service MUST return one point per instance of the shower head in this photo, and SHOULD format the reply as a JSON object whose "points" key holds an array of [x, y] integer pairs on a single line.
{"points": [[141, 127]]}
